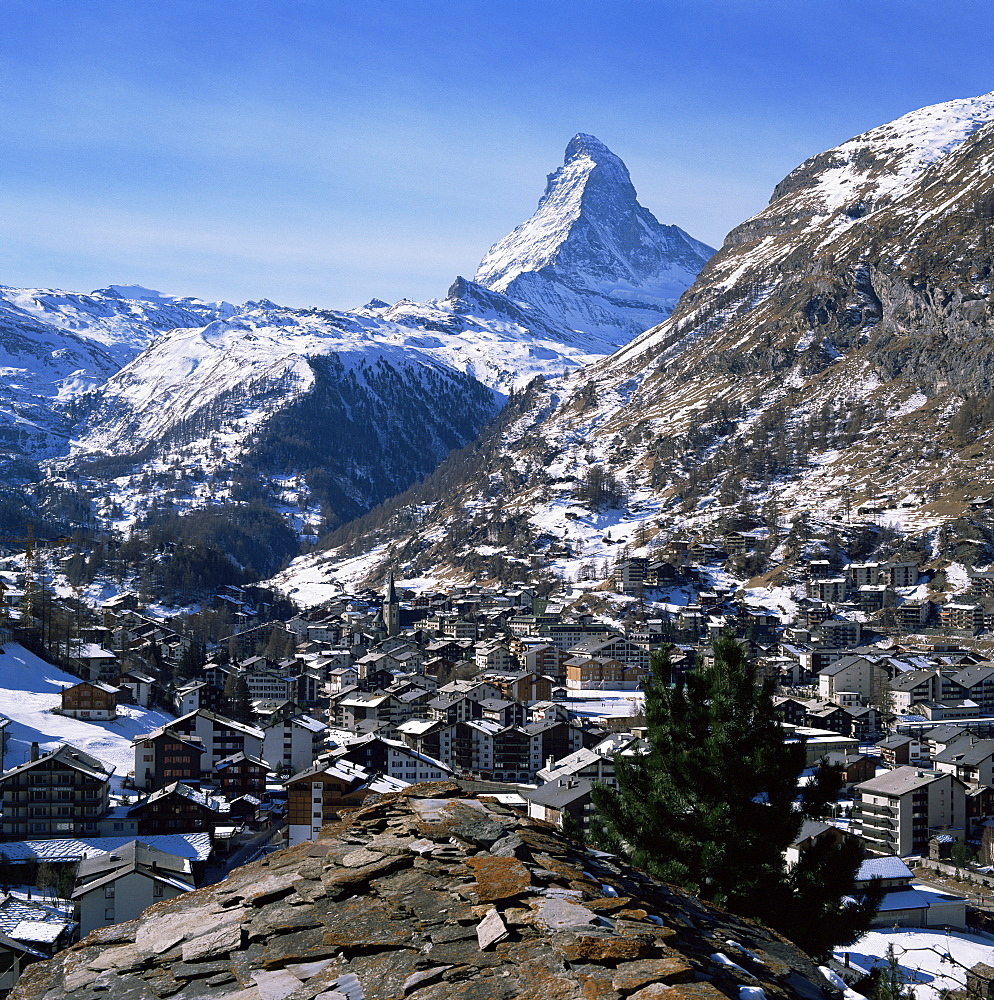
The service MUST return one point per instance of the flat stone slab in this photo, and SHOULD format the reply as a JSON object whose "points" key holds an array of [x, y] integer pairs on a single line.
{"points": [[159, 934], [276, 985], [556, 914], [490, 930], [225, 939], [361, 858], [499, 878], [120, 957]]}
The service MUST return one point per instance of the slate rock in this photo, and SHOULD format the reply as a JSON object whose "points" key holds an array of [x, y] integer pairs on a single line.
{"points": [[221, 941], [499, 878], [490, 930], [555, 914], [670, 969]]}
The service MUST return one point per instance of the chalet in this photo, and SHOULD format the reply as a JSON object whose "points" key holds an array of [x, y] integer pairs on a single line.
{"points": [[119, 885], [221, 737], [971, 761], [961, 617], [554, 800], [293, 742], [61, 794], [906, 905], [317, 794], [813, 834], [618, 648], [164, 756], [240, 775], [628, 575], [29, 932], [95, 662], [90, 700], [430, 737], [524, 686], [178, 808], [137, 688], [393, 758], [602, 672]]}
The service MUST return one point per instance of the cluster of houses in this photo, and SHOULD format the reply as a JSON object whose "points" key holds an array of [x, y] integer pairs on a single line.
{"points": [[494, 687]]}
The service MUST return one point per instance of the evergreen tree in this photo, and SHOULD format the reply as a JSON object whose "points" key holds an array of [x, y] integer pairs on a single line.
{"points": [[887, 982], [237, 699], [712, 805], [192, 662]]}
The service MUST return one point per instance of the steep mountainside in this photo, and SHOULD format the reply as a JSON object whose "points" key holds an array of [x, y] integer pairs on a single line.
{"points": [[836, 353], [313, 404], [56, 345], [139, 399], [591, 255], [432, 896]]}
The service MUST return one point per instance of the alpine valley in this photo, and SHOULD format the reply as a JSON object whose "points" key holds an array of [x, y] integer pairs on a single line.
{"points": [[824, 383], [126, 404], [605, 382]]}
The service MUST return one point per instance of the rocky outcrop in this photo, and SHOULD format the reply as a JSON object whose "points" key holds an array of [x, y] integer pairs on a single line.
{"points": [[432, 896]]}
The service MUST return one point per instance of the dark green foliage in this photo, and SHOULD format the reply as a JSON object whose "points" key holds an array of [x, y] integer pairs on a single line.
{"points": [[887, 982], [192, 661], [365, 434], [205, 549], [237, 703], [711, 806]]}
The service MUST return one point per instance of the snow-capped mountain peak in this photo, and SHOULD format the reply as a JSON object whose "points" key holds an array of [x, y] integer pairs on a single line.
{"points": [[591, 253]]}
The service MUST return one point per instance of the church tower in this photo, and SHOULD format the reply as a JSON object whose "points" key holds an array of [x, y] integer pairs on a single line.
{"points": [[391, 607]]}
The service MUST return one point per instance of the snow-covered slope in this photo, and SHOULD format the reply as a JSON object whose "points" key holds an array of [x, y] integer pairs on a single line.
{"points": [[591, 255], [56, 345], [30, 687], [134, 394], [837, 352]]}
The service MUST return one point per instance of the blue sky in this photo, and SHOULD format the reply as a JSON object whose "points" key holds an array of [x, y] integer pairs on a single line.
{"points": [[319, 152]]}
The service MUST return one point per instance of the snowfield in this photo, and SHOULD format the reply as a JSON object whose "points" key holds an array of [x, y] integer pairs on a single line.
{"points": [[932, 961], [30, 688]]}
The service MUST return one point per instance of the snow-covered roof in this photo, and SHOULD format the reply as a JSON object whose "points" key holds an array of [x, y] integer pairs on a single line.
{"points": [[904, 899], [886, 867], [44, 931], [195, 846]]}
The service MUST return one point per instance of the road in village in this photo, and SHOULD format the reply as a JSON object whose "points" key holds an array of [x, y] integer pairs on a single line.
{"points": [[254, 847]]}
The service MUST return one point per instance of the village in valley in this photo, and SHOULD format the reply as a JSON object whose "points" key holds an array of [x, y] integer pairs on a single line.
{"points": [[160, 750]]}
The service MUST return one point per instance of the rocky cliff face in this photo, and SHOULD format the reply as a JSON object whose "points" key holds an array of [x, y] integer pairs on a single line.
{"points": [[432, 896]]}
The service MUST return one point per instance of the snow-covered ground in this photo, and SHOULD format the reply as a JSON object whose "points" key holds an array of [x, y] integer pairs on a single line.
{"points": [[932, 961], [30, 687], [598, 703]]}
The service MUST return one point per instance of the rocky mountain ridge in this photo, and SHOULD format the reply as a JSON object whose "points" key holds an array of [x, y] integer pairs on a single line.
{"points": [[134, 397], [835, 354], [432, 895], [591, 254]]}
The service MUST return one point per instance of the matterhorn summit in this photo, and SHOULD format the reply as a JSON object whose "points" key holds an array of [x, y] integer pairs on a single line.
{"points": [[591, 255]]}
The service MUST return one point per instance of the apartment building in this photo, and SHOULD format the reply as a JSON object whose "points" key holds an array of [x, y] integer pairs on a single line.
{"points": [[60, 794], [897, 812]]}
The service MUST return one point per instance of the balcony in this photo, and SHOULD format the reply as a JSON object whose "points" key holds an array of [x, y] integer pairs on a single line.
{"points": [[872, 810]]}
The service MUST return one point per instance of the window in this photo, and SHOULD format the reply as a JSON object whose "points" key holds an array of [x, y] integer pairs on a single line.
{"points": [[157, 891], [108, 892], [109, 914]]}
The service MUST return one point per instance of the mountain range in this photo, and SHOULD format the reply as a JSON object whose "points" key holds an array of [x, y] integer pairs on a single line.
{"points": [[827, 371], [835, 356], [138, 399]]}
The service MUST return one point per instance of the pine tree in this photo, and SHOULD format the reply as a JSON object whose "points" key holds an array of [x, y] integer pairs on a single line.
{"points": [[888, 982], [711, 805], [237, 699]]}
